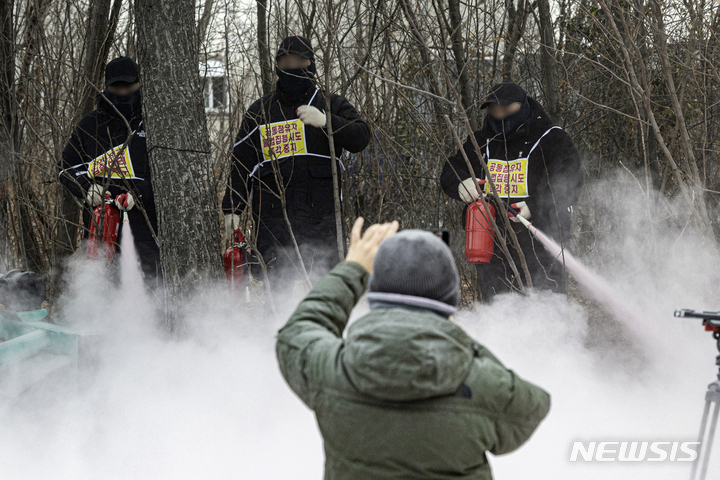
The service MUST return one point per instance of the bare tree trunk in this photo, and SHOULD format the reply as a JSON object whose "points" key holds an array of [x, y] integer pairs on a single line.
{"points": [[7, 80], [266, 72], [35, 18], [428, 69], [179, 151], [517, 17], [462, 67], [204, 21], [7, 107], [331, 139], [308, 20], [547, 61], [99, 35]]}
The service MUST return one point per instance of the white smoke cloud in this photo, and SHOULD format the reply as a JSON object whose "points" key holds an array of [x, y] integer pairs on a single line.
{"points": [[215, 406]]}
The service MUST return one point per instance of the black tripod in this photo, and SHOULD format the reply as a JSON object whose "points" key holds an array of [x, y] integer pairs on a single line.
{"points": [[711, 320]]}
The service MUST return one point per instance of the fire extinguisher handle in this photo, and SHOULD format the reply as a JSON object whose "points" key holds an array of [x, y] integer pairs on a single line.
{"points": [[511, 211]]}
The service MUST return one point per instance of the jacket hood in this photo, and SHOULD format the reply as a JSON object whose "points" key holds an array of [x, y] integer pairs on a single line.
{"points": [[538, 123], [402, 355]]}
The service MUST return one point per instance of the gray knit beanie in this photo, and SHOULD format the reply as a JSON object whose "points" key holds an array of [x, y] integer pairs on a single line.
{"points": [[418, 263]]}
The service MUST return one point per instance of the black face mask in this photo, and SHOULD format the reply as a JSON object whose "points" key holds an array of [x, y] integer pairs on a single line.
{"points": [[128, 105], [511, 123], [294, 82]]}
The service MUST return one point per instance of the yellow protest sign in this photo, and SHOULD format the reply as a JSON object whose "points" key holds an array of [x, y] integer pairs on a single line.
{"points": [[283, 139], [114, 163], [510, 178]]}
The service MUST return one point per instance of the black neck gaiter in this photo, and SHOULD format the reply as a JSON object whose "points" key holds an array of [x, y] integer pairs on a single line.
{"points": [[511, 123], [295, 82], [128, 105]]}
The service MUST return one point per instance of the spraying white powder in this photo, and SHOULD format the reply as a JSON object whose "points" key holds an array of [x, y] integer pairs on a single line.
{"points": [[130, 274], [612, 299]]}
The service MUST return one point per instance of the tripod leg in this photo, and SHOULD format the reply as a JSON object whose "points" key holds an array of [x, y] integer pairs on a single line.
{"points": [[711, 435], [701, 436]]}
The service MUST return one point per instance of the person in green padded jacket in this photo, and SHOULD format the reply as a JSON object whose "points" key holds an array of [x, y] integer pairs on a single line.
{"points": [[407, 394]]}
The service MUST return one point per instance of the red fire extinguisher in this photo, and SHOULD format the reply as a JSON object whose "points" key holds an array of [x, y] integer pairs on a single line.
{"points": [[479, 234], [236, 264], [110, 225]]}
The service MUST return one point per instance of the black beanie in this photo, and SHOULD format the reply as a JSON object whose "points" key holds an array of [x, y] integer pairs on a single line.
{"points": [[417, 263], [298, 45]]}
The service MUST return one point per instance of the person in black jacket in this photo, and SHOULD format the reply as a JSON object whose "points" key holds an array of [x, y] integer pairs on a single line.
{"points": [[96, 160], [284, 136], [536, 168]]}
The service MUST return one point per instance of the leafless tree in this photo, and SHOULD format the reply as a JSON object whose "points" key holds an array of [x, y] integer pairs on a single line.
{"points": [[636, 84], [179, 150]]}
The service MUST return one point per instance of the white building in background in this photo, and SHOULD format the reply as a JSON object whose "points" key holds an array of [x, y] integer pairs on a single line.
{"points": [[216, 98], [215, 87]]}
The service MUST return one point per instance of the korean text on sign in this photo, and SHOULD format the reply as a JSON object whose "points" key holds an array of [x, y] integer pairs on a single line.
{"points": [[283, 139], [510, 178], [114, 163]]}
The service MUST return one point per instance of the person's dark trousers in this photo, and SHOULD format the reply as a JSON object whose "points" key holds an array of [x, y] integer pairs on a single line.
{"points": [[497, 277], [284, 269]]}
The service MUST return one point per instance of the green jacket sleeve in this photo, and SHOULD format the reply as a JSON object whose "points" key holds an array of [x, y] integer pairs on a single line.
{"points": [[510, 408], [527, 406], [308, 345]]}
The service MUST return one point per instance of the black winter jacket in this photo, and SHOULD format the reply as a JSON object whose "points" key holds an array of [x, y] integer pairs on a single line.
{"points": [[549, 181], [83, 164], [303, 155]]}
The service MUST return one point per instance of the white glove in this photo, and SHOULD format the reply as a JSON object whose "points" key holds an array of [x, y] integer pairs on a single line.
{"points": [[523, 209], [94, 195], [468, 190], [312, 116], [232, 222], [125, 200]]}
